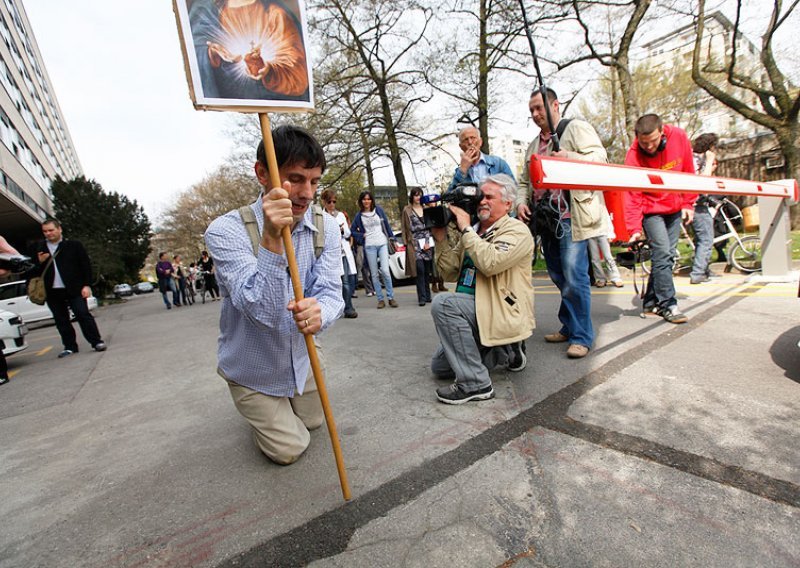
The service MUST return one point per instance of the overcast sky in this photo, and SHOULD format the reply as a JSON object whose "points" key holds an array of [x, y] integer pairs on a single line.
{"points": [[117, 71]]}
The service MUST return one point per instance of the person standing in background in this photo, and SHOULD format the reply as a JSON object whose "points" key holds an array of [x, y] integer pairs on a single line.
{"points": [[328, 199], [419, 246]]}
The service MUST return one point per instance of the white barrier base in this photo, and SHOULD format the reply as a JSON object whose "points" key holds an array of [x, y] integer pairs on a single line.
{"points": [[791, 276]]}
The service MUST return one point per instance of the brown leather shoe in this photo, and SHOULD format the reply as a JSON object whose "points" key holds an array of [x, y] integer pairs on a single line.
{"points": [[392, 303], [381, 304], [442, 288], [556, 337], [576, 351]]}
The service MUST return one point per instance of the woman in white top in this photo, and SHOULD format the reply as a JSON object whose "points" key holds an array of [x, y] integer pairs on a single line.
{"points": [[371, 228], [328, 199]]}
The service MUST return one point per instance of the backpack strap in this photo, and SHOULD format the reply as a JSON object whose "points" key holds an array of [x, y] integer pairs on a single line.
{"points": [[319, 224], [562, 126], [251, 225]]}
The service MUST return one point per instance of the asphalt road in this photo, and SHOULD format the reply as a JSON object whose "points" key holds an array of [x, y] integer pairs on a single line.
{"points": [[667, 446]]}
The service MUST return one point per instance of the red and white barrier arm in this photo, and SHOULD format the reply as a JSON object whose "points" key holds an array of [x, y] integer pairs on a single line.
{"points": [[562, 173]]}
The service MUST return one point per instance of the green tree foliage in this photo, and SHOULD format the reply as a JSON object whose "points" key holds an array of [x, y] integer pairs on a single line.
{"points": [[114, 230]]}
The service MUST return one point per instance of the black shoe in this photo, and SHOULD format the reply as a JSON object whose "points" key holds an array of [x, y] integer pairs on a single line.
{"points": [[452, 394], [517, 361], [672, 315], [351, 315], [100, 346], [66, 353]]}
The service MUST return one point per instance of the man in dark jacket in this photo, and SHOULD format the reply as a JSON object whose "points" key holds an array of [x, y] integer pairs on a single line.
{"points": [[67, 281]]}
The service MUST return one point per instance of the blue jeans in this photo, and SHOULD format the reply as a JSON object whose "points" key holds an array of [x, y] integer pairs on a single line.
{"points": [[703, 241], [373, 254], [168, 284], [568, 267], [348, 285], [663, 231]]}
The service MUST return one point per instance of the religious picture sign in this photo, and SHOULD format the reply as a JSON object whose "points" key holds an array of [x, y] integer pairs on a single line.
{"points": [[246, 55]]}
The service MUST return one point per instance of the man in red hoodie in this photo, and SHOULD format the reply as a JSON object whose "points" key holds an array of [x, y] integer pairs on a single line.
{"points": [[659, 214]]}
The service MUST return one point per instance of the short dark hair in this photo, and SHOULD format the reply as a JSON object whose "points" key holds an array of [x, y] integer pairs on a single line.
{"points": [[648, 123], [361, 197], [52, 221], [414, 191], [162, 253], [704, 143], [293, 145], [551, 94]]}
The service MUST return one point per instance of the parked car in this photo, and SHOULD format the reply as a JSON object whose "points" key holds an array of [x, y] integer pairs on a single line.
{"points": [[397, 261], [12, 332], [14, 298], [121, 290], [143, 288]]}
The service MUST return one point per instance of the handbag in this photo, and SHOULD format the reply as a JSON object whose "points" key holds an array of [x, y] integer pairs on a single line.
{"points": [[391, 246], [37, 293]]}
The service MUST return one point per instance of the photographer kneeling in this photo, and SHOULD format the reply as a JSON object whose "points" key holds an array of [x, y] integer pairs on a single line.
{"points": [[486, 321]]}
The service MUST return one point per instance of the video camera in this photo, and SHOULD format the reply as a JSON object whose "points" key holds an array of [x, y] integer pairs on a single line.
{"points": [[15, 262], [436, 212]]}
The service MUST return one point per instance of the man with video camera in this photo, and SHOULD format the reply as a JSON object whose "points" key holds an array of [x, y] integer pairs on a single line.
{"points": [[565, 220], [485, 322]]}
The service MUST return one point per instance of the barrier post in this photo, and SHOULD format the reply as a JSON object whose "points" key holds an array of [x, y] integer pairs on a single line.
{"points": [[776, 237]]}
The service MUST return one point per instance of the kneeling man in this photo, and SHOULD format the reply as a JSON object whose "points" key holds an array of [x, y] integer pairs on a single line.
{"points": [[487, 319]]}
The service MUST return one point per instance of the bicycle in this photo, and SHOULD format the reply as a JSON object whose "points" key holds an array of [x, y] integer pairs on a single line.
{"points": [[745, 251], [200, 284]]}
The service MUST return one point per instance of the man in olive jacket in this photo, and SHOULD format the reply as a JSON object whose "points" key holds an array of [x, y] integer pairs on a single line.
{"points": [[487, 319], [578, 215]]}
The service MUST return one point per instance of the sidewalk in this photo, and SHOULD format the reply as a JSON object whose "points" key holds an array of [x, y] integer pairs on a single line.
{"points": [[668, 445]]}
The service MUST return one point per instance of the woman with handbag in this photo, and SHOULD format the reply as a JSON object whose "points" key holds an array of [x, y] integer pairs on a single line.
{"points": [[372, 230], [419, 246]]}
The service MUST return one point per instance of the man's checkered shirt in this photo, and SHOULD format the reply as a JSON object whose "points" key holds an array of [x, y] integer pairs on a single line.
{"points": [[260, 346]]}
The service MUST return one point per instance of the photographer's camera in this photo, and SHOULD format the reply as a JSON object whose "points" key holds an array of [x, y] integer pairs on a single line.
{"points": [[466, 196]]}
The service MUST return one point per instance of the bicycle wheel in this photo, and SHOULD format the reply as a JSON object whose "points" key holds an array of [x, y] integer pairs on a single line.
{"points": [[746, 254]]}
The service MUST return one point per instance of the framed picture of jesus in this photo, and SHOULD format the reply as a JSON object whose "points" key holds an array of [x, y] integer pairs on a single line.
{"points": [[246, 55]]}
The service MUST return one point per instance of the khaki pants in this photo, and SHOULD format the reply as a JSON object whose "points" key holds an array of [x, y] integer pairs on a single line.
{"points": [[280, 424]]}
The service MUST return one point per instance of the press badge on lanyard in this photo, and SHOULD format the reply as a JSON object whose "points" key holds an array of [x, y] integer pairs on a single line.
{"points": [[469, 277]]}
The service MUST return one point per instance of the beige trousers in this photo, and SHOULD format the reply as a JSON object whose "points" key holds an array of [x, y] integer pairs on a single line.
{"points": [[280, 424]]}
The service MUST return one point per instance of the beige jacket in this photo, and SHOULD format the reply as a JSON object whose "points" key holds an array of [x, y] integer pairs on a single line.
{"points": [[503, 289], [581, 142]]}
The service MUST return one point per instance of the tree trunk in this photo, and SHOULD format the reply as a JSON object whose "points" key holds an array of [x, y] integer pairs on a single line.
{"points": [[629, 103], [394, 147], [483, 80], [788, 139], [365, 148]]}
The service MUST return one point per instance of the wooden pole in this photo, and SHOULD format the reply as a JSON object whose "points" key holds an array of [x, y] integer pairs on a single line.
{"points": [[294, 272]]}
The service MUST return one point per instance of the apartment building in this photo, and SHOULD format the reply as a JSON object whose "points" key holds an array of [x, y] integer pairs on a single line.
{"points": [[36, 145]]}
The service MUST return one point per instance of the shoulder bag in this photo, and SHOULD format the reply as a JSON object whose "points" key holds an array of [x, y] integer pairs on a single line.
{"points": [[37, 293]]}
